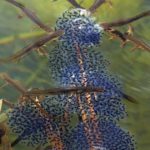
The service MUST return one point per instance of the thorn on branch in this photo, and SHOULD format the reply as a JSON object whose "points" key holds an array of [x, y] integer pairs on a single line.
{"points": [[125, 37], [138, 42], [130, 30], [116, 33], [30, 47], [30, 15], [122, 22], [42, 52]]}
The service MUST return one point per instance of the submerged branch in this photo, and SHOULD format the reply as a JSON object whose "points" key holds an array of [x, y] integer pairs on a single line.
{"points": [[30, 47], [75, 4], [64, 90], [12, 82], [16, 141], [122, 22], [129, 98], [8, 103], [96, 5], [30, 15], [54, 91], [124, 37]]}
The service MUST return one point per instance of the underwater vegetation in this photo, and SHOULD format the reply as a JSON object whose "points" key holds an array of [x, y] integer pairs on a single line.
{"points": [[75, 63], [84, 110]]}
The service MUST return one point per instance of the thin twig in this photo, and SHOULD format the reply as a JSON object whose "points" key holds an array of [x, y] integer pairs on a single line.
{"points": [[75, 4], [31, 15], [21, 89], [12, 82], [124, 37], [8, 103], [138, 42], [64, 90], [4, 85], [16, 141], [96, 4], [30, 47], [122, 22], [129, 98], [54, 91], [116, 33]]}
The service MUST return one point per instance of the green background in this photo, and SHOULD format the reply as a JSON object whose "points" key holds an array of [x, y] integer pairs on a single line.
{"points": [[133, 67]]}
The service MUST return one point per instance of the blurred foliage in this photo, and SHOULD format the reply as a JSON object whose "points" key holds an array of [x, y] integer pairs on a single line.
{"points": [[133, 67]]}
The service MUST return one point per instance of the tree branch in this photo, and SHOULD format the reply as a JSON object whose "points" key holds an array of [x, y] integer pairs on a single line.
{"points": [[12, 82], [122, 22], [30, 47], [124, 37], [96, 4], [31, 15], [54, 91], [75, 4], [8, 103]]}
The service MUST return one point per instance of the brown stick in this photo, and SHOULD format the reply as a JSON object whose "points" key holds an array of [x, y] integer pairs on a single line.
{"points": [[54, 91], [138, 42], [75, 4], [30, 47], [96, 4], [128, 38], [13, 83], [116, 33], [31, 15], [8, 103], [122, 22], [129, 98]]}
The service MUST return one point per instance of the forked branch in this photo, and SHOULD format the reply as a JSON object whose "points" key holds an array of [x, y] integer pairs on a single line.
{"points": [[122, 22], [124, 37]]}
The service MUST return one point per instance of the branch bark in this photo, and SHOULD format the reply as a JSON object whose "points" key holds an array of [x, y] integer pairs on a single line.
{"points": [[12, 82], [122, 22], [75, 4], [54, 91], [124, 37], [30, 15], [30, 47], [96, 4], [8, 103]]}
